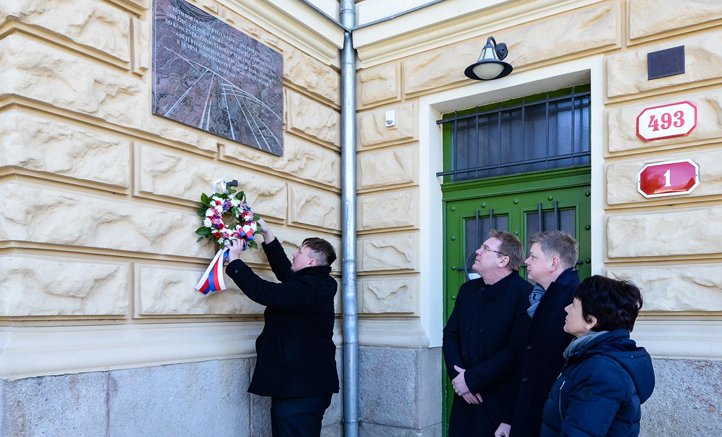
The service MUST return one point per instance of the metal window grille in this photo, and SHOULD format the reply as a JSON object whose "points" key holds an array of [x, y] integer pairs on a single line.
{"points": [[530, 135]]}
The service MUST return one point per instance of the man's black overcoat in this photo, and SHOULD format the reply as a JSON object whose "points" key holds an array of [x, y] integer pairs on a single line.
{"points": [[484, 335], [543, 360], [296, 356]]}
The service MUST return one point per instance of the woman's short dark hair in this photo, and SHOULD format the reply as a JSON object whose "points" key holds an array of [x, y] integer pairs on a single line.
{"points": [[615, 304], [322, 248]]}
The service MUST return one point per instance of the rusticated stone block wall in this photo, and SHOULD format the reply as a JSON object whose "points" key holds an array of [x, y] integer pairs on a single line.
{"points": [[672, 238], [668, 246], [388, 207], [99, 195], [97, 184]]}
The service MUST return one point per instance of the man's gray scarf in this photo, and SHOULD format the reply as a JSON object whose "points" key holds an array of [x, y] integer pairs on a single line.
{"points": [[534, 298]]}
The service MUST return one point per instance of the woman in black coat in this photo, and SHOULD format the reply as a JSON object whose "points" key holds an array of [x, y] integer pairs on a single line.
{"points": [[606, 377]]}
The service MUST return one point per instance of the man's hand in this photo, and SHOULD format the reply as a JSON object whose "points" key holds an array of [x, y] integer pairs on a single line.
{"points": [[266, 231], [462, 390], [503, 430], [234, 250]]}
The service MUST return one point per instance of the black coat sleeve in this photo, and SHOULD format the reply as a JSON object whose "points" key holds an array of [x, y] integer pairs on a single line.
{"points": [[278, 260], [288, 296]]}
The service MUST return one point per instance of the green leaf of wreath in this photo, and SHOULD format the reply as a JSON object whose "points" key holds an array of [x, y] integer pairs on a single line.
{"points": [[203, 231]]}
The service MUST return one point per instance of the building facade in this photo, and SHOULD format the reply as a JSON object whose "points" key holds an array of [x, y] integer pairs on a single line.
{"points": [[102, 332]]}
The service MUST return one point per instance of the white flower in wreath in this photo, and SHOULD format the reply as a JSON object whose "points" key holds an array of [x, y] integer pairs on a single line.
{"points": [[254, 227], [212, 212]]}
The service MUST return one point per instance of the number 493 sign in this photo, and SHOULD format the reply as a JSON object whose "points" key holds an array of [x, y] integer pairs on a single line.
{"points": [[667, 121]]}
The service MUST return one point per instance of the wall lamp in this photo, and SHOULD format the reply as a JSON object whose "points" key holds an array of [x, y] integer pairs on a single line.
{"points": [[490, 65]]}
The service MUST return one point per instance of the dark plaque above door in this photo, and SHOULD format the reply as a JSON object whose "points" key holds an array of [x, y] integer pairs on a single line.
{"points": [[213, 77]]}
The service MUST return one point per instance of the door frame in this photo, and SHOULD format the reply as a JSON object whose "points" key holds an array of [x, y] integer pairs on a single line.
{"points": [[429, 108], [432, 106]]}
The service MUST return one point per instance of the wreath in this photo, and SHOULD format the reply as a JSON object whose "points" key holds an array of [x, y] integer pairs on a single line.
{"points": [[240, 221]]}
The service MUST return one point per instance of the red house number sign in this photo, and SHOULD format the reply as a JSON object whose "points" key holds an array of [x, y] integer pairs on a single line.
{"points": [[668, 178], [667, 121]]}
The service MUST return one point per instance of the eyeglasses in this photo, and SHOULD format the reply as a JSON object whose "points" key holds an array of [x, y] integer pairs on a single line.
{"points": [[485, 248]]}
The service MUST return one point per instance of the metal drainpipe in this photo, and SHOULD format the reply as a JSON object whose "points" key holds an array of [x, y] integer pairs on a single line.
{"points": [[348, 218]]}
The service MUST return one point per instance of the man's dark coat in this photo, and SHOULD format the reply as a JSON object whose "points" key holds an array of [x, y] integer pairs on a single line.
{"points": [[296, 353], [484, 336], [543, 359]]}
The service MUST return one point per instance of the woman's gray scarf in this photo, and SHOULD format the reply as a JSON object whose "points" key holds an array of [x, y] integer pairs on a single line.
{"points": [[580, 343]]}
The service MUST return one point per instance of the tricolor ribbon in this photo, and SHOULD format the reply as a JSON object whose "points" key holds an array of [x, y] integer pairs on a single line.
{"points": [[212, 280]]}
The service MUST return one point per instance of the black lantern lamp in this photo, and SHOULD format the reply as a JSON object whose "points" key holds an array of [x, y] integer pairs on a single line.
{"points": [[490, 65]]}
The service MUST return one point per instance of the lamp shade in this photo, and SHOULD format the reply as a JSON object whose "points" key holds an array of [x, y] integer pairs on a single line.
{"points": [[490, 65]]}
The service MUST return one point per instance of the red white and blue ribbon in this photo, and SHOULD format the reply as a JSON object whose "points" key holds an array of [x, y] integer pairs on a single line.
{"points": [[212, 280]]}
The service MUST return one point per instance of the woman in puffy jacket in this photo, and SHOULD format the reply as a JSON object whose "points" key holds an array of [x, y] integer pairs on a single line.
{"points": [[606, 376]]}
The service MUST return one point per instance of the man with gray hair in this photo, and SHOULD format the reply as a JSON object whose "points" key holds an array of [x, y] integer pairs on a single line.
{"points": [[551, 265], [484, 335]]}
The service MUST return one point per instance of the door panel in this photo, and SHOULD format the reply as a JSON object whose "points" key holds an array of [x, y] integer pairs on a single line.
{"points": [[553, 200], [523, 214]]}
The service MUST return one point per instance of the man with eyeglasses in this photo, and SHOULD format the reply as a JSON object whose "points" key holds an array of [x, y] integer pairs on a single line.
{"points": [[484, 336], [551, 265]]}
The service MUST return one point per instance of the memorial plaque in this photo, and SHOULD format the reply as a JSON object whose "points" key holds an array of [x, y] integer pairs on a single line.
{"points": [[213, 77]]}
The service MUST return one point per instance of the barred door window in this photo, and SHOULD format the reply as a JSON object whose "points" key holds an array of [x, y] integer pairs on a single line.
{"points": [[539, 132]]}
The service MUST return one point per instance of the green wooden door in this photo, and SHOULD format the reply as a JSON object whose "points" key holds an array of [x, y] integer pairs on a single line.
{"points": [[521, 204]]}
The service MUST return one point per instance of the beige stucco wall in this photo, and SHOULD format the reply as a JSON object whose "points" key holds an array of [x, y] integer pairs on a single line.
{"points": [[99, 194], [668, 246]]}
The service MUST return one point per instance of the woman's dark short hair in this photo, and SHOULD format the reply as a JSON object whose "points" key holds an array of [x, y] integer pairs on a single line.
{"points": [[614, 303], [324, 250]]}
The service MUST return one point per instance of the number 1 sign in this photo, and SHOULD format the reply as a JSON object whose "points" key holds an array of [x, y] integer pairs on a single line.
{"points": [[667, 121], [668, 178]]}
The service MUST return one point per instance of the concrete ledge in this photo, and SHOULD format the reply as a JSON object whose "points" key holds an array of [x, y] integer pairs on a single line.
{"points": [[55, 350], [687, 339]]}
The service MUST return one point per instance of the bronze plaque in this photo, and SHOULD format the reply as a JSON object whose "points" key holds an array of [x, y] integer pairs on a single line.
{"points": [[213, 77]]}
